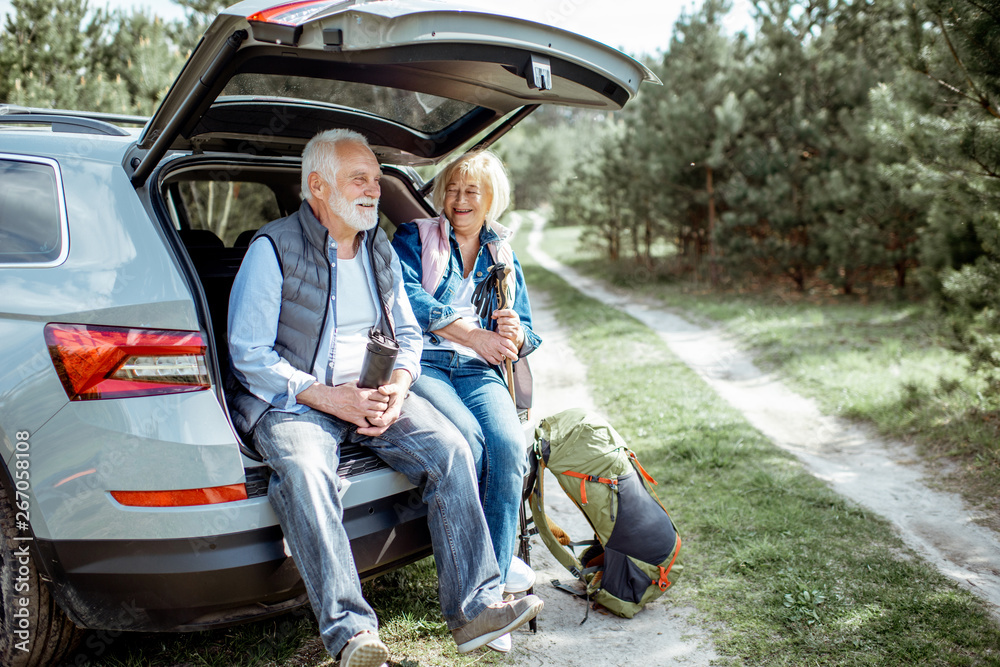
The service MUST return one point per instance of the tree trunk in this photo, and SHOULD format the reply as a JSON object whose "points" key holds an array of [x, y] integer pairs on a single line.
{"points": [[798, 275], [195, 200], [614, 243], [710, 188], [224, 220], [648, 242], [209, 208]]}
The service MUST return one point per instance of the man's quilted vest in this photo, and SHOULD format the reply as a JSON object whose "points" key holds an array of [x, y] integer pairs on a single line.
{"points": [[300, 242]]}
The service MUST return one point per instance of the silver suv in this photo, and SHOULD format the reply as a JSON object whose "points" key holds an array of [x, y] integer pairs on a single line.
{"points": [[127, 501]]}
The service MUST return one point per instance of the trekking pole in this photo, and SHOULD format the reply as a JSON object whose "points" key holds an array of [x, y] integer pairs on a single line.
{"points": [[505, 299]]}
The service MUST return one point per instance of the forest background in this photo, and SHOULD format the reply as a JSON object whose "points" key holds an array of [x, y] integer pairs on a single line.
{"points": [[834, 151]]}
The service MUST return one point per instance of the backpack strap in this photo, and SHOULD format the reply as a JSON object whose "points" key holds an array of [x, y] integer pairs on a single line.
{"points": [[642, 470], [663, 583], [435, 249], [613, 483], [537, 502], [650, 489]]}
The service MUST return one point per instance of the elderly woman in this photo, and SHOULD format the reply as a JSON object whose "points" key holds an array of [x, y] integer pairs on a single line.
{"points": [[444, 259]]}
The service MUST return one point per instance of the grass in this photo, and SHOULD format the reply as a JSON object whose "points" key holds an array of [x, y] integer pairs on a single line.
{"points": [[406, 602], [884, 363], [785, 571]]}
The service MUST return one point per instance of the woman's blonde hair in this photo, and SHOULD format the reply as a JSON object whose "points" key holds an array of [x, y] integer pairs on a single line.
{"points": [[484, 168]]}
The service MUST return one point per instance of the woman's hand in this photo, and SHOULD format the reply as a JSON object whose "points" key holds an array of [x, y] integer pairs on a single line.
{"points": [[509, 326], [492, 347]]}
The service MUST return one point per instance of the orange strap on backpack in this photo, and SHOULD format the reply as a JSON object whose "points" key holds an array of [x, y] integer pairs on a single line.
{"points": [[663, 582], [590, 478], [645, 474]]}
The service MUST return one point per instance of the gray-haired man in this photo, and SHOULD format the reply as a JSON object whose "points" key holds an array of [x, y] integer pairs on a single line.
{"points": [[305, 297]]}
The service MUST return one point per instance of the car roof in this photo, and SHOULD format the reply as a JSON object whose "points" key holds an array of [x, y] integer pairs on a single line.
{"points": [[24, 134]]}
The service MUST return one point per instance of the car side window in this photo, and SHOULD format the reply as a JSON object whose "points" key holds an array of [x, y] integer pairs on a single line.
{"points": [[228, 208], [32, 223]]}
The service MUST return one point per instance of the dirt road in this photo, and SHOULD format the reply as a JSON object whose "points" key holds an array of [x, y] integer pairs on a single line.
{"points": [[885, 477]]}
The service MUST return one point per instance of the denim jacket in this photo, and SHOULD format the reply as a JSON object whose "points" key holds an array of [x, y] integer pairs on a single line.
{"points": [[434, 311]]}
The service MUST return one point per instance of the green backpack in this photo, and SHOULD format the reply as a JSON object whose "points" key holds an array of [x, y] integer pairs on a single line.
{"points": [[632, 561]]}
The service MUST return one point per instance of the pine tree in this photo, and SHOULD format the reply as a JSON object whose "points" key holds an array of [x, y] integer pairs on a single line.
{"points": [[775, 225], [63, 54], [682, 135], [598, 195], [46, 57], [142, 56], [945, 119]]}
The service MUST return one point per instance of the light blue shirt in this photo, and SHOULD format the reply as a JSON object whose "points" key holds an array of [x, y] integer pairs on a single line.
{"points": [[255, 303]]}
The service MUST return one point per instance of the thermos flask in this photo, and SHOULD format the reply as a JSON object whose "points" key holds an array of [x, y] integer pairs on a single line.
{"points": [[380, 358]]}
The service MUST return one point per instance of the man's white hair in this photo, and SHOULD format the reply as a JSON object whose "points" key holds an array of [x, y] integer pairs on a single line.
{"points": [[320, 155]]}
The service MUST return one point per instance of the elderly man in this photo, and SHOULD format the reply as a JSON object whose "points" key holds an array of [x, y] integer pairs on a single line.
{"points": [[310, 288]]}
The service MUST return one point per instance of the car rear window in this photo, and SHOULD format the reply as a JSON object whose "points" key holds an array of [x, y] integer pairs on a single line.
{"points": [[420, 111], [31, 224], [227, 209]]}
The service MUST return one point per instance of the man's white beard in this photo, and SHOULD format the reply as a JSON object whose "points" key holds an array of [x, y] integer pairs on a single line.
{"points": [[352, 214]]}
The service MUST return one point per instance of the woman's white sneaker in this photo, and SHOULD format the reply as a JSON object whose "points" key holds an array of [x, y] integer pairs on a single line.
{"points": [[520, 577], [501, 644]]}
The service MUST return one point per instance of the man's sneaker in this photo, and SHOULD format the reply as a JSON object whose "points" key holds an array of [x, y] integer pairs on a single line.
{"points": [[520, 577], [503, 643], [496, 620], [364, 650]]}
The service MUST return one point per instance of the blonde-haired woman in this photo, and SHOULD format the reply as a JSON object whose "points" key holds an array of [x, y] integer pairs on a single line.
{"points": [[444, 259]]}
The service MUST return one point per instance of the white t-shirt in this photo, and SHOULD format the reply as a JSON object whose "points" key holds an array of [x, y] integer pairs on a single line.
{"points": [[356, 314], [462, 303]]}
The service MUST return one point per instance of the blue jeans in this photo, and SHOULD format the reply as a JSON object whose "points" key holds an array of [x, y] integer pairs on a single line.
{"points": [[303, 452], [475, 398]]}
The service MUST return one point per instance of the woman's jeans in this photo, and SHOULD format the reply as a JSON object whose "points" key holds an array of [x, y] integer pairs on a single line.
{"points": [[303, 452], [475, 398]]}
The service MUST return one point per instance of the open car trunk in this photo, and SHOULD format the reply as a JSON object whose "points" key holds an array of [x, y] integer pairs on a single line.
{"points": [[418, 78]]}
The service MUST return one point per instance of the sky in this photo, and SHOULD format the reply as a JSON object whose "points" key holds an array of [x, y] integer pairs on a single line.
{"points": [[635, 26]]}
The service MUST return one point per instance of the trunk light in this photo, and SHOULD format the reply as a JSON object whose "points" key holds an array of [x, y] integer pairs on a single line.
{"points": [[292, 13], [182, 497], [96, 362]]}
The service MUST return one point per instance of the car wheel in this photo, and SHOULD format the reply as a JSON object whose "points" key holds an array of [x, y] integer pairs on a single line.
{"points": [[34, 631]]}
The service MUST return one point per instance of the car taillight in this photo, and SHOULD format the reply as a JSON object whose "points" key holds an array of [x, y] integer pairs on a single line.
{"points": [[292, 13], [97, 362]]}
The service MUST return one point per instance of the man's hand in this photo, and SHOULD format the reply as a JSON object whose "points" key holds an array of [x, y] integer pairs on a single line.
{"points": [[371, 410], [347, 401], [394, 392]]}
